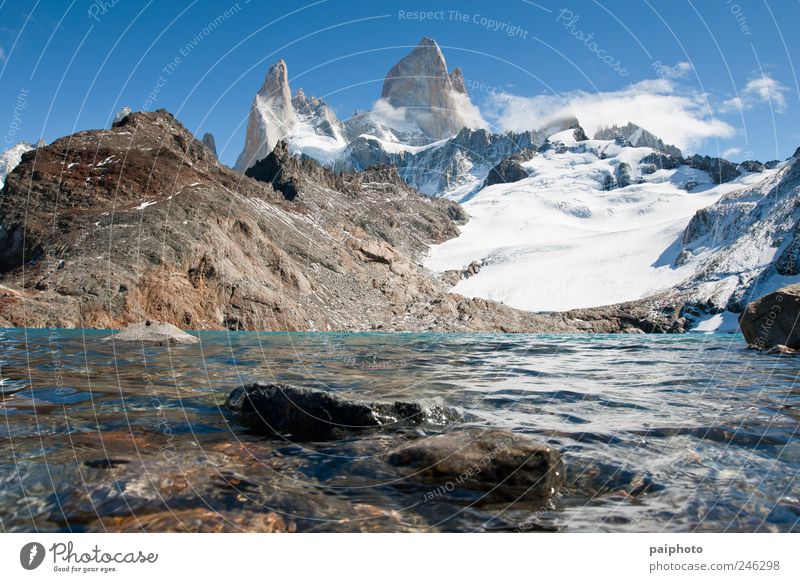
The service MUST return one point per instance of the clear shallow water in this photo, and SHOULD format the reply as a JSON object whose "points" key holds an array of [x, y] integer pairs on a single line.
{"points": [[659, 433]]}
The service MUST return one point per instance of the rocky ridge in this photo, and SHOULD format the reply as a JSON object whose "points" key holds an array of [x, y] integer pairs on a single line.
{"points": [[106, 228], [637, 137]]}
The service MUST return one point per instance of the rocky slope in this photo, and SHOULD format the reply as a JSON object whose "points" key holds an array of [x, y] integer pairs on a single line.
{"points": [[104, 228]]}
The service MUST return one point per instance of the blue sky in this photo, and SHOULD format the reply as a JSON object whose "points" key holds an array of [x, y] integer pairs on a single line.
{"points": [[711, 76]]}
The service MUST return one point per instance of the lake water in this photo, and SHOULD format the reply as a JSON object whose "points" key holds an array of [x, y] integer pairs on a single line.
{"points": [[658, 432]]}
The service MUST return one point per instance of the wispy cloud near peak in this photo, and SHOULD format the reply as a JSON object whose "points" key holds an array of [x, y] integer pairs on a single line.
{"points": [[680, 117]]}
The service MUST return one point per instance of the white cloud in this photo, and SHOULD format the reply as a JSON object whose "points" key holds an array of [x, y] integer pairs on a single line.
{"points": [[383, 111], [3, 57], [731, 152], [678, 117], [760, 90], [467, 110], [406, 119], [676, 72]]}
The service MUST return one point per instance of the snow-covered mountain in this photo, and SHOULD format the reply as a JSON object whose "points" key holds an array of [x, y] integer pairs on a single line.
{"points": [[586, 228], [743, 246], [421, 107], [558, 221], [424, 124], [637, 137], [10, 159], [572, 234]]}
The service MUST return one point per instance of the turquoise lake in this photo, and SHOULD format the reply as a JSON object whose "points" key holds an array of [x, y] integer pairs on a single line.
{"points": [[671, 433]]}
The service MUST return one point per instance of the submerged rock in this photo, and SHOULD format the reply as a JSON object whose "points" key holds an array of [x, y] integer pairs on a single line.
{"points": [[504, 465], [197, 520], [773, 320], [153, 332], [782, 349], [307, 414]]}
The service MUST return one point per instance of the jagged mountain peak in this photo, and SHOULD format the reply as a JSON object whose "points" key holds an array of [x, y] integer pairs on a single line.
{"points": [[638, 137], [209, 141], [271, 117], [277, 78], [421, 87]]}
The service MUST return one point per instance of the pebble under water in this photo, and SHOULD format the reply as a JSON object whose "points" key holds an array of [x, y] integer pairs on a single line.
{"points": [[658, 432]]}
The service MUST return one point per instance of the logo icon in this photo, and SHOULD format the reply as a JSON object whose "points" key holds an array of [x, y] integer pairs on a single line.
{"points": [[31, 555]]}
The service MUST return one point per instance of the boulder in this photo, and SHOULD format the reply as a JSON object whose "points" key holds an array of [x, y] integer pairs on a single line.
{"points": [[773, 320], [154, 333], [308, 414], [499, 463]]}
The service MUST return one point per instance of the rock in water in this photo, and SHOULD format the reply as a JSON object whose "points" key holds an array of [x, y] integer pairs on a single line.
{"points": [[197, 520], [773, 320], [306, 414], [153, 332], [504, 465]]}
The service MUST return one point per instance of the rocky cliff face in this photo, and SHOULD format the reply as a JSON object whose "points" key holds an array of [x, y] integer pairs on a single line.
{"points": [[104, 228], [271, 118], [423, 90], [209, 141]]}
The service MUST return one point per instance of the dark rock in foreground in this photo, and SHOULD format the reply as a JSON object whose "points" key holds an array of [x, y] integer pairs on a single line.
{"points": [[504, 465], [306, 414], [154, 333], [773, 320]]}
